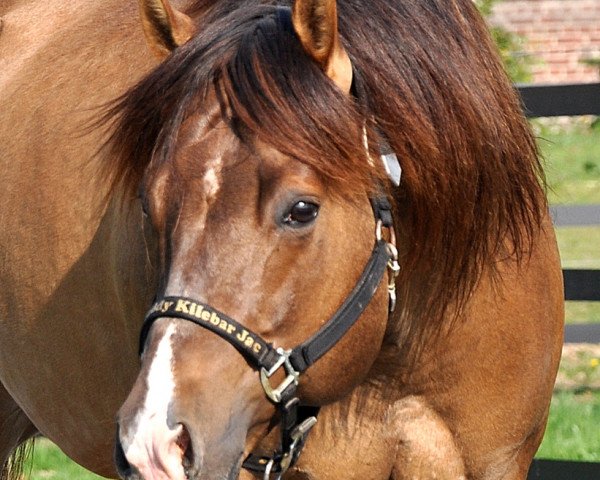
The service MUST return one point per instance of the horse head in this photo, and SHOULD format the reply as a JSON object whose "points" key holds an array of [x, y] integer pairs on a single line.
{"points": [[259, 185]]}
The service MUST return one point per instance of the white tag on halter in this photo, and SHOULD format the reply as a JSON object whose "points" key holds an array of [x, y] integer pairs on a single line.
{"points": [[392, 167], [391, 164]]}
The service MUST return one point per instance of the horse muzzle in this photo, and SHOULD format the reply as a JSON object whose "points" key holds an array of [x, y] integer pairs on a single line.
{"points": [[190, 411], [175, 454]]}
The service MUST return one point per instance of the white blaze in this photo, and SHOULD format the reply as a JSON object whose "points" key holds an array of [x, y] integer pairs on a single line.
{"points": [[193, 229], [151, 446]]}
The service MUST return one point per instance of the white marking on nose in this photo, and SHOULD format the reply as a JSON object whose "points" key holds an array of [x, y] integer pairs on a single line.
{"points": [[151, 445]]}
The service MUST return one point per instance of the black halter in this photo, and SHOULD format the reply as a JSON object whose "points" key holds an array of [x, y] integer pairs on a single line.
{"points": [[268, 359], [262, 354], [296, 421]]}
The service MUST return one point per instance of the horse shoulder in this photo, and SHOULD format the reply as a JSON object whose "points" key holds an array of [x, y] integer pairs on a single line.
{"points": [[62, 303], [485, 386]]}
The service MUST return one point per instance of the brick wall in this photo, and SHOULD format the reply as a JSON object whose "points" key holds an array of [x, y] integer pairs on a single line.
{"points": [[558, 35]]}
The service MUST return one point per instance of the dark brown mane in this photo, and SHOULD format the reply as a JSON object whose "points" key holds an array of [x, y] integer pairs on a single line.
{"points": [[471, 186], [266, 85]]}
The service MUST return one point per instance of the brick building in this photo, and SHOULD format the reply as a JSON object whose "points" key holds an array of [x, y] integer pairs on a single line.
{"points": [[557, 34]]}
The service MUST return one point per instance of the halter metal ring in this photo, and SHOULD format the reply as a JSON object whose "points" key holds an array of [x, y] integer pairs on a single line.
{"points": [[268, 468], [275, 394], [379, 234], [299, 435], [378, 230]]}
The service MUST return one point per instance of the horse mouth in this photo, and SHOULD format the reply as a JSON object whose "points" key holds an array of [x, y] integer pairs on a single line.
{"points": [[192, 467]]}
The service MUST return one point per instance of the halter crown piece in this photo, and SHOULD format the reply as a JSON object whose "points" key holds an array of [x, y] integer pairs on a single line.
{"points": [[296, 421]]}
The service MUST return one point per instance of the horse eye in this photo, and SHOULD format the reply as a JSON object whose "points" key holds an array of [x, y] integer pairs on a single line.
{"points": [[301, 214]]}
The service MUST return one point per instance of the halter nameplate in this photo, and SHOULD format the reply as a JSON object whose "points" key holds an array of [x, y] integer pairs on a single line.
{"points": [[245, 341]]}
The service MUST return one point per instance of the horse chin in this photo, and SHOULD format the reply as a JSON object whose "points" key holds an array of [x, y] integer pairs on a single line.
{"points": [[222, 471], [209, 474], [232, 474]]}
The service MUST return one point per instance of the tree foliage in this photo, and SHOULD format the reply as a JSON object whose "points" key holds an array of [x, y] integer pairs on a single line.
{"points": [[510, 46]]}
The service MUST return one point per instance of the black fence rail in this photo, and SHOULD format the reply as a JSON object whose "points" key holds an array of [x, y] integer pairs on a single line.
{"points": [[563, 470], [580, 285], [570, 100], [560, 100]]}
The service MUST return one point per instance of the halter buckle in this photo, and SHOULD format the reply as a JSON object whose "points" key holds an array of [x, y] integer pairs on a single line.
{"points": [[393, 270], [298, 437], [276, 394], [284, 461]]}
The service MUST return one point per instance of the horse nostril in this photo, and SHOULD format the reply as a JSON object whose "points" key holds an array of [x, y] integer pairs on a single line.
{"points": [[123, 467], [187, 452], [156, 453]]}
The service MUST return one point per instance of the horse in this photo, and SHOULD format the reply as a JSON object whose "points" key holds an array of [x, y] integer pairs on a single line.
{"points": [[333, 213]]}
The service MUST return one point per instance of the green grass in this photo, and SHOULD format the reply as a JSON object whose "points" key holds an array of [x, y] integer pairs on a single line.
{"points": [[572, 164], [50, 463], [572, 432], [579, 246], [582, 312]]}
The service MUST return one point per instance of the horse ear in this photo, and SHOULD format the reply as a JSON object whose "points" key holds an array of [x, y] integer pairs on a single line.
{"points": [[165, 27], [316, 24]]}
